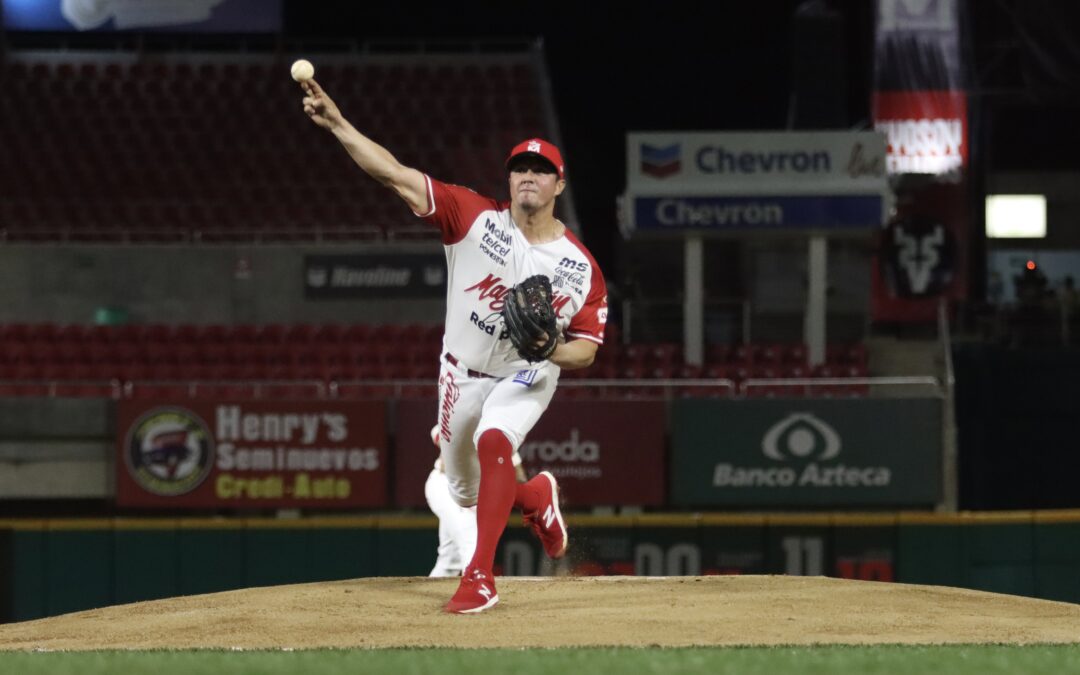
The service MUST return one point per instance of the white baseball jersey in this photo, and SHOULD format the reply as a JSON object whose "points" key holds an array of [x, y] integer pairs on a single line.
{"points": [[486, 255]]}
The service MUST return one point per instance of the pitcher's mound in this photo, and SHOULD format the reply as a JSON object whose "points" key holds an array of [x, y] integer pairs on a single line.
{"points": [[562, 612]]}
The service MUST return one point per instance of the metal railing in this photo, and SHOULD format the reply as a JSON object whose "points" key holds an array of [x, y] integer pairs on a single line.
{"points": [[950, 476], [218, 236], [874, 387]]}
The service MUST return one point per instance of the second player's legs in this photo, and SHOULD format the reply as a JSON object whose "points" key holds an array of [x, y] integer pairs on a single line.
{"points": [[457, 527]]}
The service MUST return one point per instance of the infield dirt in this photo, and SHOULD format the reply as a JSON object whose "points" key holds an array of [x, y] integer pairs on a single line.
{"points": [[561, 612]]}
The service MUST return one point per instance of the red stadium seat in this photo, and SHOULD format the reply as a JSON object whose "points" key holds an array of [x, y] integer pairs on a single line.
{"points": [[717, 353], [244, 333], [795, 354], [300, 333], [272, 333], [665, 354], [744, 354], [329, 333], [156, 158]]}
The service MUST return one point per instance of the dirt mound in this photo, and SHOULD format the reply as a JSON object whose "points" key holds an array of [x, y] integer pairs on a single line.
{"points": [[559, 612]]}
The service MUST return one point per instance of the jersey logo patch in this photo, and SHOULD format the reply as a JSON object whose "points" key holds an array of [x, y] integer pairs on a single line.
{"points": [[493, 287], [525, 377]]}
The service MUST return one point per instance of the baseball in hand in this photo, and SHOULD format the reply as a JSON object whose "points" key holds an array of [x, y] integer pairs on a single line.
{"points": [[302, 70]]}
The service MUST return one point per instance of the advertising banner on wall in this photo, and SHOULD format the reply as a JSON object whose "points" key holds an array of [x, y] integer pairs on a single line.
{"points": [[919, 98], [837, 212], [251, 454], [825, 453], [927, 131], [716, 181], [597, 457], [188, 16], [376, 276], [922, 256], [920, 104], [766, 162]]}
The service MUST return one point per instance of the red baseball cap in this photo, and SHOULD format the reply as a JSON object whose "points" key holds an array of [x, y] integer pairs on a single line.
{"points": [[540, 148]]}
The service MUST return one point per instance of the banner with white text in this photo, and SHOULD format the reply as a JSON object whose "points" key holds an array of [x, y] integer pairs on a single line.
{"points": [[597, 457], [251, 454], [763, 162], [920, 98], [821, 453], [920, 104]]}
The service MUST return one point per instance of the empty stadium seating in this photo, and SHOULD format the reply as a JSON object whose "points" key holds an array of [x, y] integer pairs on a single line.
{"points": [[164, 151], [306, 360]]}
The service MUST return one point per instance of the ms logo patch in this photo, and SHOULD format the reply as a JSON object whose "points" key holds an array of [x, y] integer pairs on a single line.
{"points": [[169, 451], [801, 436]]}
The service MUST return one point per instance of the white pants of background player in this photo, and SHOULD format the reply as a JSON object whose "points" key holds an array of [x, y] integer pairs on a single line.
{"points": [[469, 406], [457, 524]]}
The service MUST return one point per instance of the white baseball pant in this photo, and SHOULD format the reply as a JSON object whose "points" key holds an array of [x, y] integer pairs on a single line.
{"points": [[469, 406]]}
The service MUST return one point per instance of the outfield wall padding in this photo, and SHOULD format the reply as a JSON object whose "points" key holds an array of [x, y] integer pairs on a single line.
{"points": [[51, 567]]}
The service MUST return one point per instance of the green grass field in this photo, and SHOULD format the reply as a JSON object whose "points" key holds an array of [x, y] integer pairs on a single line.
{"points": [[953, 660]]}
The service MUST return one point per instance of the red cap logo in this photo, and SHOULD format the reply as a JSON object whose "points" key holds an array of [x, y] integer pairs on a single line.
{"points": [[542, 148]]}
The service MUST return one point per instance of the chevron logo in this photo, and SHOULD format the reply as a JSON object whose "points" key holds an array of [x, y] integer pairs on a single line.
{"points": [[661, 162]]}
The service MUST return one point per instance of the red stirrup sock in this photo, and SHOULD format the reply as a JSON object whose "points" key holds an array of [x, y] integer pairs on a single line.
{"points": [[496, 498]]}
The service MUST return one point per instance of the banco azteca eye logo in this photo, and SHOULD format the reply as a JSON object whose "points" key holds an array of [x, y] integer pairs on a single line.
{"points": [[169, 451], [800, 436]]}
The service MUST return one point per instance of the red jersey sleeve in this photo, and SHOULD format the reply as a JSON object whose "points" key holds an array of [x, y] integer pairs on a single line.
{"points": [[589, 321], [453, 209]]}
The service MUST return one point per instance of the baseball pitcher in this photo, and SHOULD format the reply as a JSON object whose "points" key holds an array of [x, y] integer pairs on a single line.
{"points": [[525, 300]]}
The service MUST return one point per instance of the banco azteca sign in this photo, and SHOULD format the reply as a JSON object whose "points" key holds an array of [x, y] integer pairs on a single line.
{"points": [[805, 452]]}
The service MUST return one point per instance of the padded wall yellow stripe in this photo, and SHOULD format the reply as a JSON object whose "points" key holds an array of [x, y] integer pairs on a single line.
{"points": [[419, 521]]}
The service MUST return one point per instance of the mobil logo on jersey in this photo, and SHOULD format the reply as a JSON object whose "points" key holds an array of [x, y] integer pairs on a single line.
{"points": [[494, 290]]}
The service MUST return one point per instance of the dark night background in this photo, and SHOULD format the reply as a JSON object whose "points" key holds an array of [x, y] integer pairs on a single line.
{"points": [[715, 66], [641, 66], [767, 65], [727, 65]]}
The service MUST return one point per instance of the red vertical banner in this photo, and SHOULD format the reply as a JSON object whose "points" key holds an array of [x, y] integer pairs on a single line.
{"points": [[926, 131], [922, 256], [251, 454], [920, 103]]}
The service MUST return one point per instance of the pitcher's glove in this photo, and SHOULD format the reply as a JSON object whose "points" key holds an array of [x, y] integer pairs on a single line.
{"points": [[530, 319]]}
